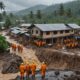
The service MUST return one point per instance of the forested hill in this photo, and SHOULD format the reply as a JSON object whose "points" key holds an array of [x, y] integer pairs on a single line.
{"points": [[34, 9], [74, 6]]}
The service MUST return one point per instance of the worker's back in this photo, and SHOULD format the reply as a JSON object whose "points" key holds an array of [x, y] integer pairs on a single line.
{"points": [[43, 67], [33, 67], [22, 68]]}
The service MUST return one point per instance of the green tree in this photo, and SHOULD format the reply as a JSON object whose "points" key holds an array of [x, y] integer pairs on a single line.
{"points": [[8, 23], [69, 13], [3, 44], [61, 10], [2, 6], [39, 15], [31, 15], [55, 13], [4, 13], [1, 17]]}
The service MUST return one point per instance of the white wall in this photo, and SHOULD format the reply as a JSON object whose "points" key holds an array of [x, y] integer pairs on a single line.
{"points": [[57, 35], [34, 31], [52, 35]]}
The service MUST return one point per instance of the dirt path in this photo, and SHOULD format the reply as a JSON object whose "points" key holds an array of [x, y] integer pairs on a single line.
{"points": [[28, 55]]}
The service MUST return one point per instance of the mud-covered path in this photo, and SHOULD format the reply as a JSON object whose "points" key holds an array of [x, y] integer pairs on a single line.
{"points": [[27, 55]]}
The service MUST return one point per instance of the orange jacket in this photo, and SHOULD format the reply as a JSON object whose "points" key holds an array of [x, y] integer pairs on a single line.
{"points": [[33, 69], [27, 68], [22, 68], [43, 69]]}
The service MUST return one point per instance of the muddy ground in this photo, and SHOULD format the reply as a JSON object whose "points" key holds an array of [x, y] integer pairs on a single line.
{"points": [[57, 60], [9, 63]]}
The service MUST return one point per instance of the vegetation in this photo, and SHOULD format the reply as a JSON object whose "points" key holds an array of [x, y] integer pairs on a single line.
{"points": [[7, 23], [60, 13], [3, 44]]}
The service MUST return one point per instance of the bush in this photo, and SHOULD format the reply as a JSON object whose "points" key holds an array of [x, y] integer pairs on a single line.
{"points": [[3, 44]]}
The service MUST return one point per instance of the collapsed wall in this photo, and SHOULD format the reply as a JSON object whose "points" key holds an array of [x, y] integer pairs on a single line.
{"points": [[57, 60]]}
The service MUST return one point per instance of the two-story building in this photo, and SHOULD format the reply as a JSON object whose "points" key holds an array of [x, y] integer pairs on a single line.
{"points": [[51, 33]]}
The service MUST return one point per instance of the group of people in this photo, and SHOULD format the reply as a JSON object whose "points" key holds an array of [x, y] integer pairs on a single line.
{"points": [[31, 70], [40, 43], [71, 43], [16, 47]]}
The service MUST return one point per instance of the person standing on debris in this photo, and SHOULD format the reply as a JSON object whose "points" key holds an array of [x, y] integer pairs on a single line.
{"points": [[20, 49], [33, 69], [43, 70], [22, 71], [13, 47], [28, 70]]}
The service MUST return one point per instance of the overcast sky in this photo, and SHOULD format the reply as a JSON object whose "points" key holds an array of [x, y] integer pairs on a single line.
{"points": [[21, 4]]}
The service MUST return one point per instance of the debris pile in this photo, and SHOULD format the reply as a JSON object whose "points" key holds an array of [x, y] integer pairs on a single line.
{"points": [[12, 64], [58, 60]]}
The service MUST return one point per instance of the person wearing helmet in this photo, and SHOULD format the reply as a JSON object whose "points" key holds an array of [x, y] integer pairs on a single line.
{"points": [[22, 71], [28, 70], [33, 69], [43, 70]]}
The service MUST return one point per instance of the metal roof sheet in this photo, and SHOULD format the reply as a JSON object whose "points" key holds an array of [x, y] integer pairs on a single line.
{"points": [[15, 31], [52, 27], [27, 34], [74, 26], [24, 24], [17, 28]]}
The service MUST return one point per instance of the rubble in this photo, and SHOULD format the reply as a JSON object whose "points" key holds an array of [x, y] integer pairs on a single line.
{"points": [[11, 64], [57, 60]]}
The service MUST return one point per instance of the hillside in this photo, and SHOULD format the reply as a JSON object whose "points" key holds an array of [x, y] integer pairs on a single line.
{"points": [[74, 5], [34, 9]]}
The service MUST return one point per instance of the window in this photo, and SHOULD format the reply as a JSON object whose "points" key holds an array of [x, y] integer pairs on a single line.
{"points": [[55, 32], [72, 30], [32, 31], [61, 32], [67, 31], [36, 32], [41, 33], [47, 33]]}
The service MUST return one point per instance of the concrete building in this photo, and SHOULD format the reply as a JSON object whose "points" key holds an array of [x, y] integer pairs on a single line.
{"points": [[51, 33]]}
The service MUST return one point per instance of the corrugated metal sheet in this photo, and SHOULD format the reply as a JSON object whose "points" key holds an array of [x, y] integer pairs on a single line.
{"points": [[17, 28], [15, 31], [27, 25], [74, 26], [27, 34], [52, 27]]}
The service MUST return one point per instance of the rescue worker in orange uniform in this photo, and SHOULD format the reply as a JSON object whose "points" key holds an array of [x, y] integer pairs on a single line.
{"points": [[15, 47], [21, 49], [18, 47], [43, 70], [27, 69], [33, 69], [22, 71]]}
